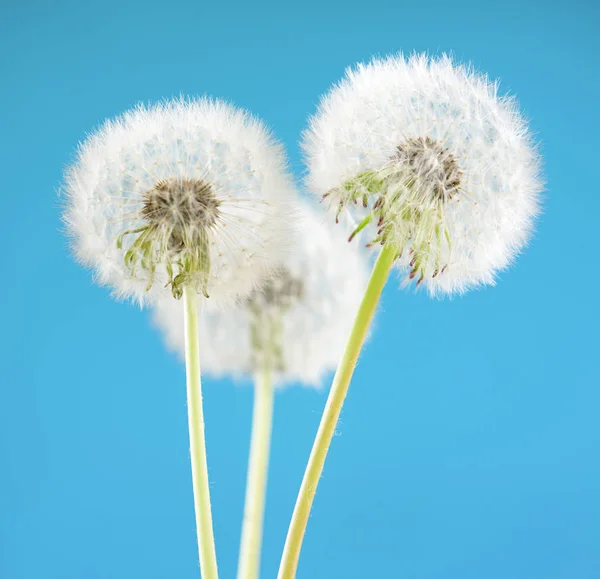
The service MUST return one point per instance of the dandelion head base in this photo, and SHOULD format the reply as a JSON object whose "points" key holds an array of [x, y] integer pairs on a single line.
{"points": [[429, 166], [279, 291], [178, 215], [406, 199], [181, 203]]}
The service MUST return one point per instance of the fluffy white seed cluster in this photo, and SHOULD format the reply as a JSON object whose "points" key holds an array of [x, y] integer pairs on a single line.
{"points": [[298, 321], [182, 193], [424, 154]]}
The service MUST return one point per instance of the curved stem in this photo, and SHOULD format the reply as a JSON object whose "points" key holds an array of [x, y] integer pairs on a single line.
{"points": [[256, 487], [204, 528], [339, 388]]}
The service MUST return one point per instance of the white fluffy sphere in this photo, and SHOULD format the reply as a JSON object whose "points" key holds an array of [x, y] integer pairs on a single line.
{"points": [[194, 184], [450, 153]]}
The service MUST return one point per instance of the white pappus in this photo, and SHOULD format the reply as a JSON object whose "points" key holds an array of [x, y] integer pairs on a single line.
{"points": [[184, 192], [423, 153], [297, 322]]}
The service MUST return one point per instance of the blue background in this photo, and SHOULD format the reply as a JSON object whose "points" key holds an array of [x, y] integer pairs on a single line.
{"points": [[468, 447]]}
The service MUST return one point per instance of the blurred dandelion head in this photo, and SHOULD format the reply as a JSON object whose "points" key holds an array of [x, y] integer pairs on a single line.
{"points": [[296, 322], [267, 307]]}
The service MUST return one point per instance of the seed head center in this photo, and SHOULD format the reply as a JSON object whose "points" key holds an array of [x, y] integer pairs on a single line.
{"points": [[181, 204], [431, 167], [267, 306], [280, 291]]}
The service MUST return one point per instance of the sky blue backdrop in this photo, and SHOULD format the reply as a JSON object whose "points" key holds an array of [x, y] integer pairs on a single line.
{"points": [[468, 446]]}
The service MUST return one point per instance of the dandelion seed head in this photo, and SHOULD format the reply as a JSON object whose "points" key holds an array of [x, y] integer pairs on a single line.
{"points": [[185, 192], [423, 153], [428, 167], [180, 204], [280, 290]]}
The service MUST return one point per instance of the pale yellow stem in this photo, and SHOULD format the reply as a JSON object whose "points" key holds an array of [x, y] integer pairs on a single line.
{"points": [[258, 465], [339, 388], [204, 528]]}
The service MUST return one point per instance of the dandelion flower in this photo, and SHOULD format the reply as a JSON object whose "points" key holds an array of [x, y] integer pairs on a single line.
{"points": [[430, 163], [429, 156], [181, 199], [179, 193], [297, 321]]}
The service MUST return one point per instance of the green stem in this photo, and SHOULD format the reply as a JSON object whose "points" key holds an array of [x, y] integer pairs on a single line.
{"points": [[339, 388], [262, 417], [204, 529]]}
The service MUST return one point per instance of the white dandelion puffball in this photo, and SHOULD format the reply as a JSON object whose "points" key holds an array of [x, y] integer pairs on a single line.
{"points": [[298, 321], [183, 193], [425, 155]]}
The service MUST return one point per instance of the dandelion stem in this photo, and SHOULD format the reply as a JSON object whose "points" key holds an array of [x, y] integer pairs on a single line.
{"points": [[204, 528], [262, 417], [339, 388]]}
